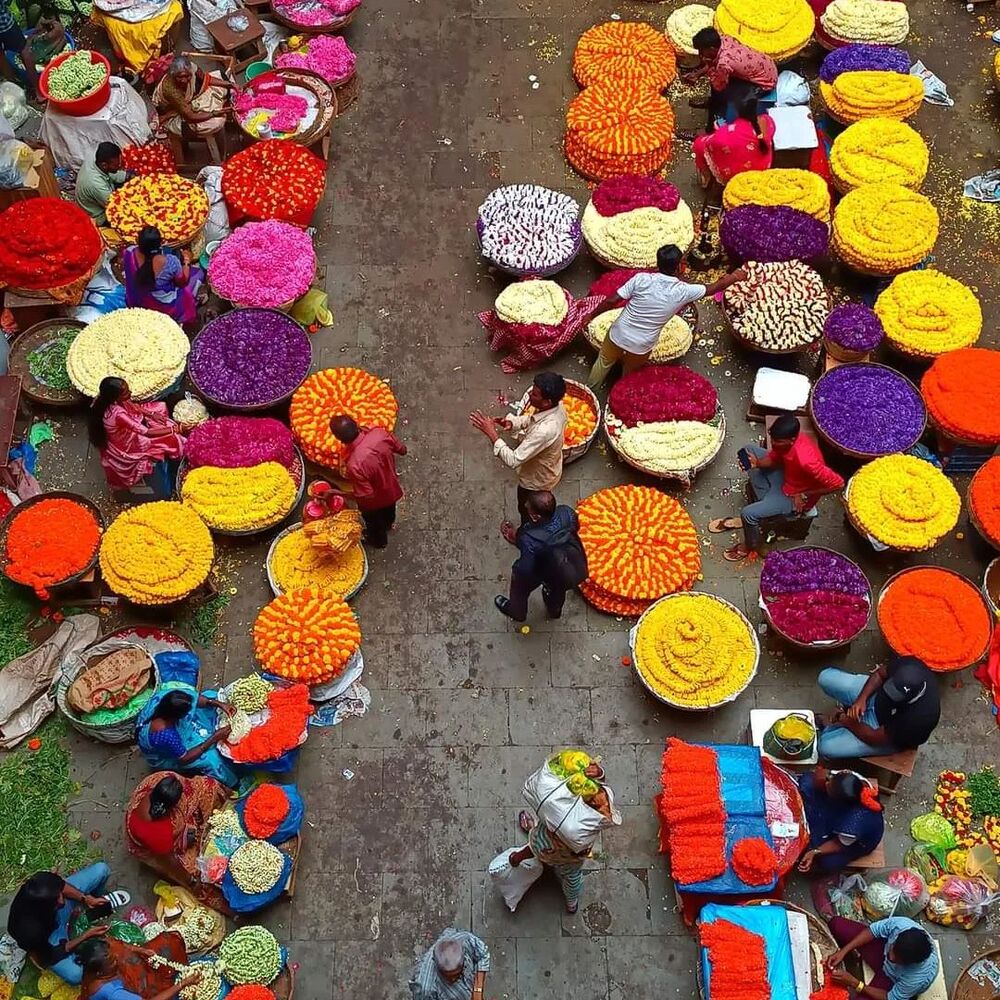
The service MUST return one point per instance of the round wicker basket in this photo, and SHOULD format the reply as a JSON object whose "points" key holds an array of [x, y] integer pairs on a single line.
{"points": [[753, 346], [976, 523], [32, 339], [543, 272], [338, 24], [578, 390], [842, 354], [991, 585], [273, 583], [324, 93]]}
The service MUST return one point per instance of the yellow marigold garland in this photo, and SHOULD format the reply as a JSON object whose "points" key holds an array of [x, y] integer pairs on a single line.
{"points": [[618, 49], [296, 563], [879, 150], [240, 499], [795, 188], [631, 239], [176, 206], [873, 93], [778, 28], [675, 338]]}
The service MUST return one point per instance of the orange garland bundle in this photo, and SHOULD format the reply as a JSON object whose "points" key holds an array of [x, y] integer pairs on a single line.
{"points": [[265, 810], [936, 616], [959, 389], [641, 545], [691, 809], [619, 49], [618, 126], [290, 710], [754, 861], [738, 961], [332, 391], [580, 420], [829, 991], [984, 499]]}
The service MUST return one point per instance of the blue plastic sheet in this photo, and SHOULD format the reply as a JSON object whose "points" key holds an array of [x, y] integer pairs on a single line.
{"points": [[292, 823], [178, 665]]}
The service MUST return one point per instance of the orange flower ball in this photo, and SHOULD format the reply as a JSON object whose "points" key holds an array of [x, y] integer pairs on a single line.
{"points": [[580, 420], [619, 49]]}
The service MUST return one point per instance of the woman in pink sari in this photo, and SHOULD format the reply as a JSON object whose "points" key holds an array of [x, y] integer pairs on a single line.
{"points": [[746, 144], [136, 441]]}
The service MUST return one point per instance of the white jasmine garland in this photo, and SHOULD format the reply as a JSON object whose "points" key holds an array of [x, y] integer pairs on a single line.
{"points": [[535, 301], [529, 228], [631, 239], [670, 446], [685, 22], [675, 337], [879, 22]]}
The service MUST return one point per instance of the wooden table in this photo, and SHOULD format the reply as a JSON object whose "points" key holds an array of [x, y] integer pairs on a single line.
{"points": [[244, 47]]}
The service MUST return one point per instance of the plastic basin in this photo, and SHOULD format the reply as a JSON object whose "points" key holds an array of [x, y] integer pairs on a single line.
{"points": [[255, 69], [81, 106]]}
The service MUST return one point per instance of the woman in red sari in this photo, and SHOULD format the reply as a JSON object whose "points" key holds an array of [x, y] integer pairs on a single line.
{"points": [[746, 144]]}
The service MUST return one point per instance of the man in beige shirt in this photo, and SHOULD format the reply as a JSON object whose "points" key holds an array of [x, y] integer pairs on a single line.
{"points": [[538, 457]]}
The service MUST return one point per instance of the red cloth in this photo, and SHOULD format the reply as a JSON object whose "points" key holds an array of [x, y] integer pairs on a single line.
{"points": [[738, 60], [156, 835], [371, 467], [988, 674], [139, 435], [734, 149], [805, 470]]}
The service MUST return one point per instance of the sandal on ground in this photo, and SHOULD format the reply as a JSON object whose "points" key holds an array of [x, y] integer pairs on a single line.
{"points": [[719, 524], [736, 554], [117, 899], [525, 821], [571, 908]]}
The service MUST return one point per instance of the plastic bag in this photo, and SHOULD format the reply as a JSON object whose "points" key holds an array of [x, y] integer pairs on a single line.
{"points": [[961, 902], [514, 882], [16, 162], [898, 892], [981, 862], [13, 104], [936, 832], [217, 224], [845, 897], [924, 861], [189, 412], [312, 310], [935, 89], [791, 89]]}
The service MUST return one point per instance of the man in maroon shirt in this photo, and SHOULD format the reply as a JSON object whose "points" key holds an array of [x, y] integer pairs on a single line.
{"points": [[789, 479], [369, 463]]}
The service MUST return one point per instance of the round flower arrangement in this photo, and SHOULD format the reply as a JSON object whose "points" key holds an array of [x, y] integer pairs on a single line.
{"points": [[926, 313], [328, 55], [256, 866], [624, 49], [884, 228], [959, 389], [795, 188], [265, 809], [851, 58], [240, 500], [157, 553], [239, 443], [669, 392], [323, 13], [146, 348], [675, 340], [861, 94], [274, 179], [867, 410], [263, 264], [878, 150], [640, 544], [878, 22], [306, 635], [778, 28], [984, 500], [695, 651], [814, 595], [251, 954], [153, 158], [527, 229], [176, 206], [779, 307], [935, 615], [607, 284], [903, 502], [326, 393], [259, 109], [619, 126], [251, 358], [852, 331], [773, 233], [47, 243], [251, 991], [685, 22], [532, 302], [295, 563]]}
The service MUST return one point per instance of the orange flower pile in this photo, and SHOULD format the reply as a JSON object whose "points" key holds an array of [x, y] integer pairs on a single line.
{"points": [[250, 991], [580, 420], [289, 714], [936, 616], [629, 49], [306, 635], [754, 861], [640, 544], [326, 393], [50, 541], [960, 390], [984, 499], [692, 811], [738, 961], [265, 810], [618, 126]]}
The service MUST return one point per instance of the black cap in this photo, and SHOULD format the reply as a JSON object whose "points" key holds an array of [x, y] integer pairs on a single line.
{"points": [[907, 680]]}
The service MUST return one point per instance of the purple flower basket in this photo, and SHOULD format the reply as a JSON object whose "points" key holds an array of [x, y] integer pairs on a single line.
{"points": [[769, 233]]}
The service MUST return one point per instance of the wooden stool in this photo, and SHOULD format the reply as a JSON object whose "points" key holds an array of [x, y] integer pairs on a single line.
{"points": [[892, 767], [870, 861], [243, 47]]}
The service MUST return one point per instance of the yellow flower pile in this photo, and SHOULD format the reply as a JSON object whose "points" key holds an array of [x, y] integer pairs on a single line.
{"points": [[675, 338], [241, 499], [146, 348], [533, 301], [778, 28], [176, 206], [884, 228], [926, 313], [795, 188], [685, 22], [337, 532], [631, 239], [156, 553], [879, 150], [873, 93], [297, 564], [695, 650], [903, 502], [877, 22]]}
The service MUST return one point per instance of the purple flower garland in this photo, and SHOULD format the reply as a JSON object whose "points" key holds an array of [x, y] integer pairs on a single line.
{"points": [[854, 327], [851, 58], [771, 233]]}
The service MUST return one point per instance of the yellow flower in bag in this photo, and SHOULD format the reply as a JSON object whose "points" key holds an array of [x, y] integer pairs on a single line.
{"points": [[574, 760]]}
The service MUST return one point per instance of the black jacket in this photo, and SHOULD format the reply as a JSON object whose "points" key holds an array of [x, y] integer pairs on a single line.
{"points": [[538, 541]]}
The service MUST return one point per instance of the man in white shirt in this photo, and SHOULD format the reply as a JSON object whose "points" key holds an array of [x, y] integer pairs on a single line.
{"points": [[651, 301]]}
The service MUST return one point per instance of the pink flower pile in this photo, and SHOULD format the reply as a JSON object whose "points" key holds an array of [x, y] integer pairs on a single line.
{"points": [[327, 11], [288, 109], [263, 264], [661, 393], [328, 55], [236, 442]]}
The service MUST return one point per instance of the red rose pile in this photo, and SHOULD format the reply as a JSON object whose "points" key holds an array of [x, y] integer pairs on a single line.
{"points": [[274, 179], [663, 392]]}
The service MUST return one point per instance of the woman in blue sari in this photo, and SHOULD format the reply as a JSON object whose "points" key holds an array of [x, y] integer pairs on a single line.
{"points": [[177, 731], [844, 816], [158, 279]]}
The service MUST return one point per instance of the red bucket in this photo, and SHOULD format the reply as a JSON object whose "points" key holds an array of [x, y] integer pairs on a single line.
{"points": [[81, 106]]}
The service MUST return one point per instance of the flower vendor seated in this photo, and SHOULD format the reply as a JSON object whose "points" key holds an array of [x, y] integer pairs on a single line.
{"points": [[369, 463], [43, 907], [898, 950], [190, 101], [787, 480], [454, 967], [651, 301], [14, 42], [745, 144], [113, 970], [99, 176], [896, 707], [176, 731], [136, 441], [538, 457], [159, 279], [552, 557], [845, 819]]}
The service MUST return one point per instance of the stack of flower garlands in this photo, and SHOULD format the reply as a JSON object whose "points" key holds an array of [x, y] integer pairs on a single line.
{"points": [[876, 22], [684, 23], [333, 391], [259, 109], [935, 615], [778, 28], [878, 150], [328, 55], [903, 502], [959, 389], [153, 158], [860, 94], [323, 13], [287, 710], [884, 228], [177, 207], [274, 179], [984, 500], [629, 218], [852, 331], [297, 563], [641, 545], [675, 338], [772, 233], [665, 420], [157, 553], [307, 635], [146, 348], [862, 56], [801, 189], [927, 313]]}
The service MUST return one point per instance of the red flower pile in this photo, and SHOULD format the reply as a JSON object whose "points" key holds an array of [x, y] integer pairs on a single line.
{"points": [[156, 158], [829, 991], [629, 191], [265, 810], [250, 991], [610, 281], [274, 179], [662, 392], [290, 711], [738, 961], [754, 861], [47, 243]]}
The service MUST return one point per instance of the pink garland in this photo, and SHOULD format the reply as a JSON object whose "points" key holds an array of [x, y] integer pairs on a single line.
{"points": [[240, 442], [631, 191], [331, 10], [289, 109], [328, 55]]}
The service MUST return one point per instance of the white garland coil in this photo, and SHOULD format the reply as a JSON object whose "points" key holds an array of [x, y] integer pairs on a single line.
{"points": [[256, 866], [671, 446], [239, 726]]}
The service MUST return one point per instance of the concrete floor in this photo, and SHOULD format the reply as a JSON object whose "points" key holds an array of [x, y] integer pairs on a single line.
{"points": [[463, 706]]}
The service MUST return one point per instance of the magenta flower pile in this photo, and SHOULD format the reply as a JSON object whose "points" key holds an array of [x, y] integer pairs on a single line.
{"points": [[236, 442], [772, 233], [286, 110], [629, 191], [311, 14], [610, 281], [328, 55], [663, 392]]}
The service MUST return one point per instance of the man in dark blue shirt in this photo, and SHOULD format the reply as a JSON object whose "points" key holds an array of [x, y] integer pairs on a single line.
{"points": [[13, 41]]}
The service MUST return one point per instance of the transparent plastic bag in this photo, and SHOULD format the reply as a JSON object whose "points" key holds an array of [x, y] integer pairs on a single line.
{"points": [[959, 902], [845, 897], [924, 861], [896, 892], [17, 159]]}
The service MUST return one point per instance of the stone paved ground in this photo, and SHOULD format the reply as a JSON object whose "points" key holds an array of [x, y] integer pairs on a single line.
{"points": [[463, 706]]}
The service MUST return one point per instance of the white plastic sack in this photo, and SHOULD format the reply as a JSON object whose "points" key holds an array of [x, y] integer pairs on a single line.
{"points": [[17, 159], [13, 104], [274, 35], [514, 882], [791, 89], [217, 226]]}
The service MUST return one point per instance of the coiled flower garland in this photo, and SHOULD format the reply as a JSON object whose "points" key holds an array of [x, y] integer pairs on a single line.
{"points": [[624, 49], [778, 28], [879, 150], [795, 188]]}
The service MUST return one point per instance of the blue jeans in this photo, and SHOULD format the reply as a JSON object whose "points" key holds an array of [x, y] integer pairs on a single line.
{"points": [[161, 480], [89, 881], [836, 742], [768, 488]]}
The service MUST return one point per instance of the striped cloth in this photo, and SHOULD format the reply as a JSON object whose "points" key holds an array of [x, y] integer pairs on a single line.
{"points": [[428, 984], [565, 864]]}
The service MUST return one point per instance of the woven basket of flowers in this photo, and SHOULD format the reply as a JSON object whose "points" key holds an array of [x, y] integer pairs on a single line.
{"points": [[584, 413]]}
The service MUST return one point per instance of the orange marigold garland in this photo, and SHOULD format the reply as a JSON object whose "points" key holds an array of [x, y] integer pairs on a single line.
{"points": [[265, 810], [289, 714], [754, 862], [959, 389], [619, 49], [984, 499], [251, 991], [738, 962]]}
